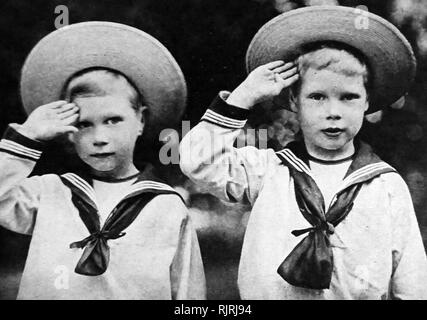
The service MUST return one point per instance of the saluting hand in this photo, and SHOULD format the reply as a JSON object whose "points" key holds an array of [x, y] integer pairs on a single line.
{"points": [[50, 120], [263, 83]]}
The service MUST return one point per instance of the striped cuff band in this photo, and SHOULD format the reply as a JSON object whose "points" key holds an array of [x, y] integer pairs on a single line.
{"points": [[19, 145], [225, 115]]}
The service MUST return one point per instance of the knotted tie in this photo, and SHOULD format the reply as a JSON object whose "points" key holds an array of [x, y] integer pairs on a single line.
{"points": [[96, 255], [310, 263]]}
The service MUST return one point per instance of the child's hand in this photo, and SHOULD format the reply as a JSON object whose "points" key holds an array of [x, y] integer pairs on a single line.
{"points": [[263, 83], [50, 120]]}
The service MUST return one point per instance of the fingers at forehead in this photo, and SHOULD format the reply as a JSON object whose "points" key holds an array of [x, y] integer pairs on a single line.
{"points": [[289, 81], [56, 104], [274, 64], [66, 107], [289, 73], [70, 119], [68, 113], [284, 67]]}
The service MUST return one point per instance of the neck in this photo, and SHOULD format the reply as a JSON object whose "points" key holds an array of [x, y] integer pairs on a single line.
{"points": [[328, 155], [339, 161], [116, 175]]}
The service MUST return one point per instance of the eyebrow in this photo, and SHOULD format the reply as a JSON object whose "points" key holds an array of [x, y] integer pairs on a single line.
{"points": [[104, 116]]}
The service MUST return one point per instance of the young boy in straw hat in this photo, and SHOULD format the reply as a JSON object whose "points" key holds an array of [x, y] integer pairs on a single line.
{"points": [[329, 219], [110, 230]]}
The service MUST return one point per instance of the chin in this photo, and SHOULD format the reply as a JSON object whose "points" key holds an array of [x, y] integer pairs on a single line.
{"points": [[330, 146], [335, 147], [101, 168]]}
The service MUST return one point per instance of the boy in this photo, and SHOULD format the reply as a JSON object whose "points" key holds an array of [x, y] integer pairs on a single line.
{"points": [[360, 238], [108, 231]]}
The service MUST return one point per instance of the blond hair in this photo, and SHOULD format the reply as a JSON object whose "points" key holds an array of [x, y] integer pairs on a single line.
{"points": [[334, 57]]}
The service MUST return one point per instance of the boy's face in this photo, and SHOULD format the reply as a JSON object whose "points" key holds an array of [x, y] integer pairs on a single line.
{"points": [[330, 109], [108, 130]]}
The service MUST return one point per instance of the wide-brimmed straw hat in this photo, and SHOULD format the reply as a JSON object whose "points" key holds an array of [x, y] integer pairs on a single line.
{"points": [[389, 55], [132, 52]]}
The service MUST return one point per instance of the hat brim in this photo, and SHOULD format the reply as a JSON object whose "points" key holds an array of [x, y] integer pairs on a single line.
{"points": [[134, 53], [389, 55]]}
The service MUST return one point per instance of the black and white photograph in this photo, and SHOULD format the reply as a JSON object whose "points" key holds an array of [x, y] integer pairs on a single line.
{"points": [[227, 150]]}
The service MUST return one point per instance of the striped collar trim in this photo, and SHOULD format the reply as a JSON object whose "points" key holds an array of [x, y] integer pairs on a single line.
{"points": [[148, 185], [364, 173], [82, 185], [289, 157], [139, 186]]}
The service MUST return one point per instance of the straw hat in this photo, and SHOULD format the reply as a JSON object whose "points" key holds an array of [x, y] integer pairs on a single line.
{"points": [[389, 55], [136, 54]]}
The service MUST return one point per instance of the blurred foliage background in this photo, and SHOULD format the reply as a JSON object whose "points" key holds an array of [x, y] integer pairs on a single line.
{"points": [[209, 40]]}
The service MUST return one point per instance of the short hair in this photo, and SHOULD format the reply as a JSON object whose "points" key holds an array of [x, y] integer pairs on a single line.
{"points": [[332, 56], [91, 89]]}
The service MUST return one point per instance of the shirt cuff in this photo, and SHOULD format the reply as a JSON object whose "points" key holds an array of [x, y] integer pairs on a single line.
{"points": [[19, 145], [225, 115]]}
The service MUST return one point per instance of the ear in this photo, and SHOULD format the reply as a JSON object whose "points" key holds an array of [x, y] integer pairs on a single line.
{"points": [[70, 137], [292, 102], [141, 114], [366, 107]]}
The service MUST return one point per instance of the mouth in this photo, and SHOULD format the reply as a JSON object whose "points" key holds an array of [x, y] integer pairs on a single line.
{"points": [[333, 131], [102, 155]]}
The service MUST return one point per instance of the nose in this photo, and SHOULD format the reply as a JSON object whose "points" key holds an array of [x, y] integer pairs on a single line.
{"points": [[333, 110], [100, 136]]}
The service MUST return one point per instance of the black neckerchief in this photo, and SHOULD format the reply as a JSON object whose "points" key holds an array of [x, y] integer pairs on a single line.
{"points": [[310, 263], [96, 254]]}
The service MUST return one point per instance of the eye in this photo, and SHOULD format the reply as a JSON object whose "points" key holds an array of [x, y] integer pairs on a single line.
{"points": [[317, 96], [82, 125], [350, 96], [114, 120]]}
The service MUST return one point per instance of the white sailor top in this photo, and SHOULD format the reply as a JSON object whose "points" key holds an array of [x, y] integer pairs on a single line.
{"points": [[377, 249], [154, 256]]}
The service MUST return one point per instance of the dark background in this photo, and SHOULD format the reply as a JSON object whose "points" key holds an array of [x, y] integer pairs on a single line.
{"points": [[209, 40]]}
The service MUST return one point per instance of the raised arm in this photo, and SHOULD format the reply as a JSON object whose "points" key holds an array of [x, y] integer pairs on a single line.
{"points": [[207, 153], [20, 149], [19, 196], [209, 158]]}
